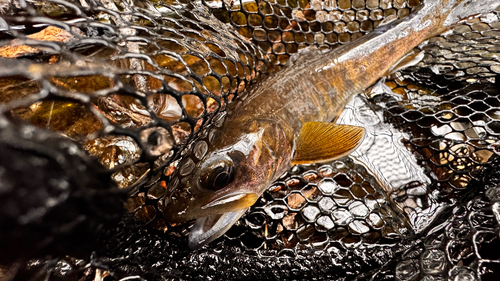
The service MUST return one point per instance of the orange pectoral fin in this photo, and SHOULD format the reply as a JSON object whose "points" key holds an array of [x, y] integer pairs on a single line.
{"points": [[321, 142]]}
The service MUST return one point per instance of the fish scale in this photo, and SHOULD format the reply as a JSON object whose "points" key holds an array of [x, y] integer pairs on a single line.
{"points": [[342, 24]]}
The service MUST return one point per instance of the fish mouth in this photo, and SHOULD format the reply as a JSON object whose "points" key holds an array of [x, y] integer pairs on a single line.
{"points": [[209, 228], [245, 199], [226, 210]]}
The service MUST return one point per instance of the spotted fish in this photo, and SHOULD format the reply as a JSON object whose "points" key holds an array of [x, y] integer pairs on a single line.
{"points": [[287, 120]]}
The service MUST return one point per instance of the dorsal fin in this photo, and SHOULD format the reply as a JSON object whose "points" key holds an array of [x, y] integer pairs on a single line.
{"points": [[321, 142]]}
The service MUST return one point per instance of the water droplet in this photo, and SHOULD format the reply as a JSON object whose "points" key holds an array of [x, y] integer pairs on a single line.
{"points": [[462, 274], [276, 211], [455, 136], [187, 167], [295, 200], [326, 222], [407, 270], [310, 213], [341, 216], [359, 209], [219, 119], [113, 151], [375, 221], [359, 227], [441, 130], [496, 211], [326, 204], [200, 149], [433, 261], [342, 197], [156, 141], [328, 186]]}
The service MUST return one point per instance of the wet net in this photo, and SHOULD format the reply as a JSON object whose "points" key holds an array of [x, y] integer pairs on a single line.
{"points": [[134, 83]]}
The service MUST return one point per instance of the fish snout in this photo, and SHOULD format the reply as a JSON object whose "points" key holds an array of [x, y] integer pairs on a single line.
{"points": [[207, 229], [231, 202], [177, 211], [218, 215]]}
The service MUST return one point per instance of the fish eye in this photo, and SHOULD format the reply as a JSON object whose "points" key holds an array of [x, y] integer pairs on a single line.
{"points": [[217, 174]]}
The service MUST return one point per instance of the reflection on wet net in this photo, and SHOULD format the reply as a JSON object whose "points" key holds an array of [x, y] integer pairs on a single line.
{"points": [[134, 82]]}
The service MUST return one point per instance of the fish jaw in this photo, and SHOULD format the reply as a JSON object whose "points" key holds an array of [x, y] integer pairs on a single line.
{"points": [[190, 200], [219, 205], [207, 229], [233, 201], [258, 151]]}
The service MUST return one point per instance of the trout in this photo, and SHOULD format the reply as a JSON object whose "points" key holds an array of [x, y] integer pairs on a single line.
{"points": [[290, 119]]}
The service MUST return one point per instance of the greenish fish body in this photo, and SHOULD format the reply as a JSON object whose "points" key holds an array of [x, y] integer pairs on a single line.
{"points": [[286, 119]]}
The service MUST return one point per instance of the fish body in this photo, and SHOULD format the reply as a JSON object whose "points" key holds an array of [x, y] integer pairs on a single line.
{"points": [[285, 120]]}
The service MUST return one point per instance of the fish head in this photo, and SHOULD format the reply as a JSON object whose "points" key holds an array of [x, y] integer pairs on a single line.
{"points": [[216, 187]]}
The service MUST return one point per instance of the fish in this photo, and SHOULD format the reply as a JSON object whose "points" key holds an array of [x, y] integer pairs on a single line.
{"points": [[289, 118]]}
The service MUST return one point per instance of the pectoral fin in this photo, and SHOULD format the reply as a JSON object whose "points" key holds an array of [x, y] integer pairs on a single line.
{"points": [[321, 142]]}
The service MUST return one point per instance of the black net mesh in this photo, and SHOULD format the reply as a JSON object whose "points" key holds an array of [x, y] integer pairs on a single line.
{"points": [[133, 83]]}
